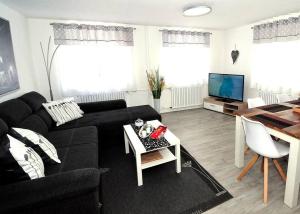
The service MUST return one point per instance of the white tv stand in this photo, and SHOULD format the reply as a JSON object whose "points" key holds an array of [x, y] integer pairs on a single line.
{"points": [[230, 107]]}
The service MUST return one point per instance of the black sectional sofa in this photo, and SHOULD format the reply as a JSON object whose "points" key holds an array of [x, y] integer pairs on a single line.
{"points": [[74, 186]]}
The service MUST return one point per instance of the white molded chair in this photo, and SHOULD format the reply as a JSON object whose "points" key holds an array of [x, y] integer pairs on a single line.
{"points": [[259, 140], [255, 102], [281, 98]]}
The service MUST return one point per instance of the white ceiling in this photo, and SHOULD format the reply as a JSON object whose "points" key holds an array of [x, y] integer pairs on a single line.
{"points": [[225, 14]]}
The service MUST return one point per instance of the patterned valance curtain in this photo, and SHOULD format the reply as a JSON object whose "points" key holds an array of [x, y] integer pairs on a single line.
{"points": [[70, 34], [281, 30], [174, 37]]}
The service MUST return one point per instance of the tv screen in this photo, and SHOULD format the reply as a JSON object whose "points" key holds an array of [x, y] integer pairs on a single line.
{"points": [[227, 86]]}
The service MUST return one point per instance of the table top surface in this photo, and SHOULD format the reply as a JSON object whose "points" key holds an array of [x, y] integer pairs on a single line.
{"points": [[280, 117], [137, 144]]}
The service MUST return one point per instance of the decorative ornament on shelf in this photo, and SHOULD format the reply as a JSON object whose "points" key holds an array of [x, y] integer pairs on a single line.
{"points": [[156, 84], [234, 55], [48, 60]]}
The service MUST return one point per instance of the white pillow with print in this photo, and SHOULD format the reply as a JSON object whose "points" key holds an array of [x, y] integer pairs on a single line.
{"points": [[40, 141], [27, 158], [63, 111]]}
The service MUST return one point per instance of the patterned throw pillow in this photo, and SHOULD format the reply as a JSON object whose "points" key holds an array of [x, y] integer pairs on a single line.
{"points": [[38, 142], [18, 162], [63, 111]]}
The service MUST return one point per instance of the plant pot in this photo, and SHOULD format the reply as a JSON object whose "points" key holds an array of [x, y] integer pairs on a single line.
{"points": [[156, 104]]}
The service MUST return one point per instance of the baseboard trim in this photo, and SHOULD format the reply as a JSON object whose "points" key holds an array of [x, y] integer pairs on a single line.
{"points": [[167, 110]]}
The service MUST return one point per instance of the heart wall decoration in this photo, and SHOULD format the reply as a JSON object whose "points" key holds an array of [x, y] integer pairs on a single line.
{"points": [[235, 55]]}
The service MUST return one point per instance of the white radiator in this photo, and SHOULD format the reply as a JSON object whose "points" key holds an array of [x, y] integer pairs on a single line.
{"points": [[186, 97], [100, 97], [268, 96]]}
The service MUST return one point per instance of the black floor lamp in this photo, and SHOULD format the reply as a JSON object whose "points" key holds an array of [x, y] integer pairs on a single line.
{"points": [[48, 63]]}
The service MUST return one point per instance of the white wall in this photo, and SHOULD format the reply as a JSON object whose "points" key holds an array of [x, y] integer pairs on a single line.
{"points": [[27, 33], [242, 37], [19, 33], [147, 44]]}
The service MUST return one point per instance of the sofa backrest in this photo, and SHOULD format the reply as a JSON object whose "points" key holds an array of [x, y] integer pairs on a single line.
{"points": [[35, 101], [27, 112], [14, 111], [3, 128]]}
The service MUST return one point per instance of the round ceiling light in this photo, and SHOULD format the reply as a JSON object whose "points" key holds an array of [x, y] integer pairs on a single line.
{"points": [[197, 10]]}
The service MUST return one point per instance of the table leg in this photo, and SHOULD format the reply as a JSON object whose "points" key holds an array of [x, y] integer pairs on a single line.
{"points": [[139, 169], [178, 158], [239, 142], [293, 173], [126, 143]]}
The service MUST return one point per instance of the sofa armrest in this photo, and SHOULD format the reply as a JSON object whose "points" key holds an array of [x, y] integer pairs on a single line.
{"points": [[102, 106], [35, 193]]}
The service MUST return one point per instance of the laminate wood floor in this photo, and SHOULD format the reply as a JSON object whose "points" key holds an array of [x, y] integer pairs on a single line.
{"points": [[209, 137]]}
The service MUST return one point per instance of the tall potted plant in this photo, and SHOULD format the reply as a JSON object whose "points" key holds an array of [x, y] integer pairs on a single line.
{"points": [[156, 84]]}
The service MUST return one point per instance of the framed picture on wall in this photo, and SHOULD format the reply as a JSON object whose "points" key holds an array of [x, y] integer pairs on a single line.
{"points": [[9, 80]]}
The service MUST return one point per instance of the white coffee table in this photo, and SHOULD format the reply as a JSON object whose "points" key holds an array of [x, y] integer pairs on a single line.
{"points": [[138, 149]]}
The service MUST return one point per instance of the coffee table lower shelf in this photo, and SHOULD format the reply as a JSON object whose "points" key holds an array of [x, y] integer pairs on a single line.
{"points": [[166, 156]]}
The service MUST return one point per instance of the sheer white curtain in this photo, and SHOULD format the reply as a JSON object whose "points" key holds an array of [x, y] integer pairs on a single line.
{"points": [[93, 68], [185, 57], [185, 65], [276, 66]]}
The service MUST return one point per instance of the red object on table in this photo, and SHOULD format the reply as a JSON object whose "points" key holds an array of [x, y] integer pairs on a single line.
{"points": [[159, 132]]}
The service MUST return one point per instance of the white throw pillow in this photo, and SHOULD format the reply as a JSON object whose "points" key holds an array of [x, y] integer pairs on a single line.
{"points": [[27, 158], [63, 111], [45, 148]]}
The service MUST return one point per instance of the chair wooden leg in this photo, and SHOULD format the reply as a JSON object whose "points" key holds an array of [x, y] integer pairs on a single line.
{"points": [[248, 167], [247, 149], [266, 172], [262, 166], [280, 170]]}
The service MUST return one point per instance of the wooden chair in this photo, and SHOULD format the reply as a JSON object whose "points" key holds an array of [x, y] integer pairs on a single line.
{"points": [[259, 140]]}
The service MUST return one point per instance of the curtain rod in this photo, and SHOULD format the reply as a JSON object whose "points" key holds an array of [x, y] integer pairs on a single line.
{"points": [[183, 30], [53, 23]]}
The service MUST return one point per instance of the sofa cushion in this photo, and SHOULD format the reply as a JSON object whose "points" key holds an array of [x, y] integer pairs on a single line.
{"points": [[110, 123], [77, 148], [144, 112], [119, 117], [71, 137], [75, 157], [3, 128], [34, 123], [34, 100], [14, 111]]}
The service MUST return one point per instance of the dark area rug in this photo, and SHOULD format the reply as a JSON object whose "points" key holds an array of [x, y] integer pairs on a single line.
{"points": [[164, 191]]}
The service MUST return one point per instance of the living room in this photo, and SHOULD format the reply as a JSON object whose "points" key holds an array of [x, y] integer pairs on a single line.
{"points": [[157, 105]]}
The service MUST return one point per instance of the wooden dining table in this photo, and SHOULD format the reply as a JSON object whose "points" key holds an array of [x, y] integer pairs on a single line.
{"points": [[282, 122]]}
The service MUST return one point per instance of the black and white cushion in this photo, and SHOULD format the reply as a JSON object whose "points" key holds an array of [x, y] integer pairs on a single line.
{"points": [[18, 162], [63, 111], [38, 142]]}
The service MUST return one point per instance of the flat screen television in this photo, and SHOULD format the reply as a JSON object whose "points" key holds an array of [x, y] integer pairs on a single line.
{"points": [[226, 86]]}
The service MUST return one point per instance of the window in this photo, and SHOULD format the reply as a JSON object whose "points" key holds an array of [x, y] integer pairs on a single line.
{"points": [[93, 58], [94, 68], [276, 66], [185, 65]]}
